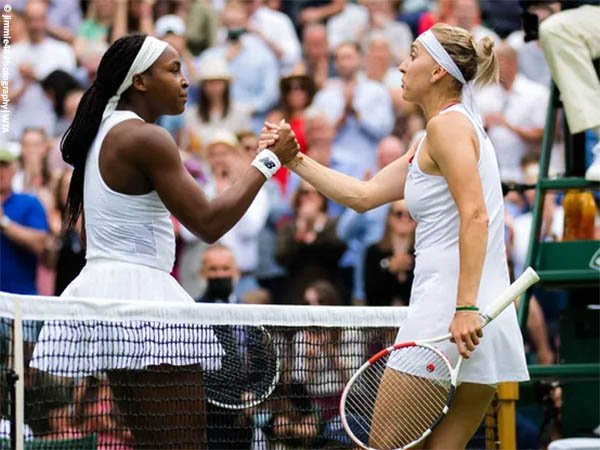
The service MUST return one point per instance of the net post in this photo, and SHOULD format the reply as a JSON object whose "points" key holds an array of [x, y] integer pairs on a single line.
{"points": [[508, 394], [18, 377]]}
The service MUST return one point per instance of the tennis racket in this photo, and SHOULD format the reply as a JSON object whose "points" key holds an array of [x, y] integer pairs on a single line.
{"points": [[249, 368], [396, 407]]}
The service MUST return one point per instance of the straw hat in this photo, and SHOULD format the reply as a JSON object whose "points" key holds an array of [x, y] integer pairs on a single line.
{"points": [[214, 69]]}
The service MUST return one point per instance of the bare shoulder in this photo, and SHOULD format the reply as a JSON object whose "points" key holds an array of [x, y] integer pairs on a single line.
{"points": [[144, 142], [452, 132]]}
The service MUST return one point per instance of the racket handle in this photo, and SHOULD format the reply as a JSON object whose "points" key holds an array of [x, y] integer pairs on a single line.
{"points": [[520, 285]]}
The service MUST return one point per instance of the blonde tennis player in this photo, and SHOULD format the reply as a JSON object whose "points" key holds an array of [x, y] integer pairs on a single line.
{"points": [[451, 185]]}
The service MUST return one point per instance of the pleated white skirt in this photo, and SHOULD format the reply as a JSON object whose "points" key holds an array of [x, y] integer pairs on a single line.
{"points": [[80, 348]]}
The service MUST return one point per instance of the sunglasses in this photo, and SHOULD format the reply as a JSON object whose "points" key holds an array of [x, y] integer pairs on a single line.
{"points": [[398, 214]]}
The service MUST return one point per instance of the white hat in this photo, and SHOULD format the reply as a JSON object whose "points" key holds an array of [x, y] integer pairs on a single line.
{"points": [[169, 23], [214, 69], [223, 136]]}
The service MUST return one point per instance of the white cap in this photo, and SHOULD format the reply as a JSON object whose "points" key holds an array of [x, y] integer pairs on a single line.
{"points": [[223, 136], [169, 23], [214, 68]]}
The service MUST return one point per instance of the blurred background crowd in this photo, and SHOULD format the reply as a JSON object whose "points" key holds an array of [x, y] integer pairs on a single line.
{"points": [[329, 68]]}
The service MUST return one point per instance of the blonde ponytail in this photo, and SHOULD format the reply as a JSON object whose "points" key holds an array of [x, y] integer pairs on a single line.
{"points": [[487, 63]]}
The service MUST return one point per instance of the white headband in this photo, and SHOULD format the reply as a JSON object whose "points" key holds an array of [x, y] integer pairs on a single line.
{"points": [[441, 56], [151, 50]]}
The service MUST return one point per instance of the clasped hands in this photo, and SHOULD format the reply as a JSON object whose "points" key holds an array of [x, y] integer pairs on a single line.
{"points": [[280, 139]]}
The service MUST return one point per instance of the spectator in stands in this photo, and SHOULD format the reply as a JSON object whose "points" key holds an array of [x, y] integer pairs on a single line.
{"points": [[216, 108], [23, 232], [289, 419], [67, 254], [307, 246], [34, 175], [388, 266], [325, 358], [315, 47], [381, 20], [132, 16], [96, 26], [220, 274], [89, 58], [311, 11], [514, 112], [252, 64], [379, 65], [297, 90], [442, 12], [56, 86], [95, 412], [201, 26], [276, 30], [64, 19], [226, 161], [468, 16], [360, 108], [31, 62], [359, 231]]}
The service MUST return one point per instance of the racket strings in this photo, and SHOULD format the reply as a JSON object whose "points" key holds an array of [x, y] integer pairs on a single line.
{"points": [[389, 408], [249, 367]]}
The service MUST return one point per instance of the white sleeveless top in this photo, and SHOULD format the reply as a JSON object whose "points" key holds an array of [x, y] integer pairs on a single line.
{"points": [[500, 355], [432, 206], [129, 228]]}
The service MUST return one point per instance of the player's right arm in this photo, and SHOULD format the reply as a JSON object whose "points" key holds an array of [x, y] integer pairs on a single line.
{"points": [[159, 160], [386, 186]]}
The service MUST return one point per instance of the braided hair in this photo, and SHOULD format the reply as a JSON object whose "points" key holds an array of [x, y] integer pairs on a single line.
{"points": [[76, 142]]}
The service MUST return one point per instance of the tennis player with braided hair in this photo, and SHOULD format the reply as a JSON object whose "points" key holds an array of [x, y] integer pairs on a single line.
{"points": [[451, 185], [128, 178]]}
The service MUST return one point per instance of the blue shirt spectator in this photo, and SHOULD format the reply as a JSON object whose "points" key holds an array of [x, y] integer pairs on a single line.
{"points": [[23, 228]]}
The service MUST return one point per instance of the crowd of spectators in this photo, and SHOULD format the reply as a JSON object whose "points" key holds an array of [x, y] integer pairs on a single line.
{"points": [[329, 68]]}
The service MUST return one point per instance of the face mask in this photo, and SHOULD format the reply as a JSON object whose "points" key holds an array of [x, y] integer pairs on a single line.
{"points": [[233, 34], [219, 289]]}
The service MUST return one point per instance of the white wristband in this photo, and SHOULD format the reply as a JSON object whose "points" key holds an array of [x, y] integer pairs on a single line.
{"points": [[267, 163]]}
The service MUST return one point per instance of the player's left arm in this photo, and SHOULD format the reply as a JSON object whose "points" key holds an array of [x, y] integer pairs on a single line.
{"points": [[453, 146]]}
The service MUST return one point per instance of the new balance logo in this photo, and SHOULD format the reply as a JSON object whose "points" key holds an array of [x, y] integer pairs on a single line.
{"points": [[268, 163]]}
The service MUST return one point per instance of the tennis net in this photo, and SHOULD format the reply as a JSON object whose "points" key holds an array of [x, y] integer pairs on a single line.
{"points": [[121, 375]]}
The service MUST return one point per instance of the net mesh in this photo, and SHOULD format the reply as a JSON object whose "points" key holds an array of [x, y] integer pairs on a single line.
{"points": [[101, 374]]}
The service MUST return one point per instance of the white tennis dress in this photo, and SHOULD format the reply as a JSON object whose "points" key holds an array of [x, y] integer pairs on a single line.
{"points": [[500, 355], [130, 254]]}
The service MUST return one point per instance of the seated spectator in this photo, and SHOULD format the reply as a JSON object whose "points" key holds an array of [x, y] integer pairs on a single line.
{"points": [[31, 62], [315, 47], [276, 30], [514, 114], [360, 108], [215, 109], [308, 246], [23, 232], [252, 64], [388, 268], [57, 85], [67, 254], [95, 27], [297, 90]]}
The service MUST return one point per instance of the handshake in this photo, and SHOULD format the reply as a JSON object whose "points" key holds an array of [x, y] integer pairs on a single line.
{"points": [[279, 139]]}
